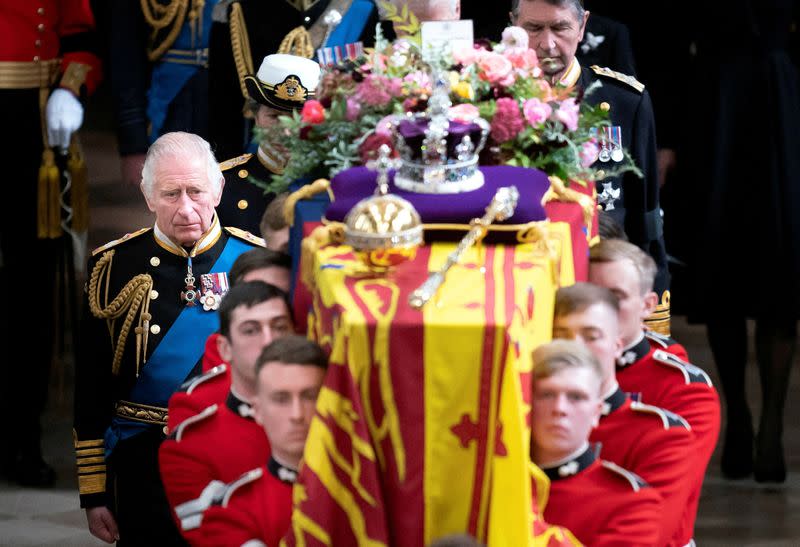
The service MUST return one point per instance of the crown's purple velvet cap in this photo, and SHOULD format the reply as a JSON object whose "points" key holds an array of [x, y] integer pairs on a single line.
{"points": [[352, 185], [413, 132]]}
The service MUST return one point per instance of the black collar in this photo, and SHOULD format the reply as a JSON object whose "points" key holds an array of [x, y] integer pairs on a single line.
{"points": [[281, 472], [634, 353], [239, 407], [614, 401], [571, 467]]}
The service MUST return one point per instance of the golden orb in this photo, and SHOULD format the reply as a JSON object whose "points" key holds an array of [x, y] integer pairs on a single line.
{"points": [[384, 231]]}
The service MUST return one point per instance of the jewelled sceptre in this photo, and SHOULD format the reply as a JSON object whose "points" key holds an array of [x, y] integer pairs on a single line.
{"points": [[501, 207]]}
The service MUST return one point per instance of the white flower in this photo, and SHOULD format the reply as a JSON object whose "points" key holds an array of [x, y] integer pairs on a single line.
{"points": [[515, 37]]}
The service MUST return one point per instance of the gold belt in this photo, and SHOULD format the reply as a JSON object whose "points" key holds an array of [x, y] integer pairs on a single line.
{"points": [[28, 74], [141, 413], [196, 57]]}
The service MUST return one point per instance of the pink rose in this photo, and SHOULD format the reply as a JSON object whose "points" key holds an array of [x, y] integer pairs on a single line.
{"points": [[384, 126], [515, 38], [536, 112], [464, 112], [353, 110], [313, 112], [567, 113], [507, 121], [522, 59], [589, 152], [464, 54], [495, 68], [418, 80]]}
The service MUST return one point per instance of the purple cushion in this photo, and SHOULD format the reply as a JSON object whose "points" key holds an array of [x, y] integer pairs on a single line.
{"points": [[413, 133], [352, 185]]}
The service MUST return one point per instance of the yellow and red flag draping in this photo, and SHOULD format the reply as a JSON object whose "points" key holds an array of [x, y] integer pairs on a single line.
{"points": [[421, 429], [582, 219]]}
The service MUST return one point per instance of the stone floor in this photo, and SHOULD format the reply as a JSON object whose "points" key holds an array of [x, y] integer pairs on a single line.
{"points": [[731, 513]]}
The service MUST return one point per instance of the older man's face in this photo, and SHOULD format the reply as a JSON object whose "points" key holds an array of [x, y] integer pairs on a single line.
{"points": [[553, 31], [183, 199]]}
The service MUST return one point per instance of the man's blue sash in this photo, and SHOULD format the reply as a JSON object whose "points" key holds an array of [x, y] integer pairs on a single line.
{"points": [[174, 357], [351, 27]]}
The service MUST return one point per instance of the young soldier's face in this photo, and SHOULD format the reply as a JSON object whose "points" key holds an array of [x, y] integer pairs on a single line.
{"points": [[565, 407], [284, 405], [251, 329], [622, 278], [597, 327], [553, 32], [274, 275]]}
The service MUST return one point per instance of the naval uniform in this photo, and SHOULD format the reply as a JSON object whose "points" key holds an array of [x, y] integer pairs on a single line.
{"points": [[656, 376], [139, 341], [632, 201], [656, 445], [254, 510], [601, 503], [243, 202], [43, 45], [217, 444]]}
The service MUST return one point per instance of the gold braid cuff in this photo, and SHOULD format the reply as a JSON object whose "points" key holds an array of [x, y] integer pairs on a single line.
{"points": [[91, 463], [660, 320], [133, 300], [240, 44], [297, 42], [74, 77]]}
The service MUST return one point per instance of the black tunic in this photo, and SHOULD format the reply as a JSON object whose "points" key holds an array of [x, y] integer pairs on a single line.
{"points": [[243, 203], [637, 206]]}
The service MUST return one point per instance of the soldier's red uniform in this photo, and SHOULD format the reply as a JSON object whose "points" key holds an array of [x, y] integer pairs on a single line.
{"points": [[656, 445], [602, 504], [257, 507], [217, 445], [198, 393], [40, 32], [656, 376], [211, 356]]}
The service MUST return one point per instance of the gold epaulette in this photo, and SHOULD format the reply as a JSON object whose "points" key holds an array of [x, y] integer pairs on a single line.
{"points": [[116, 242], [246, 236], [91, 460], [619, 76], [233, 162]]}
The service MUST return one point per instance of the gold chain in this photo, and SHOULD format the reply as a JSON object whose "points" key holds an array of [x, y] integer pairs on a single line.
{"points": [[133, 299]]}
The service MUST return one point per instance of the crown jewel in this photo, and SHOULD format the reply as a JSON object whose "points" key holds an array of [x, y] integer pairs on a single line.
{"points": [[439, 155]]}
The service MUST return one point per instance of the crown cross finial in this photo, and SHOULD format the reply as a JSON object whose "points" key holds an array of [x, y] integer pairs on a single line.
{"points": [[382, 164]]}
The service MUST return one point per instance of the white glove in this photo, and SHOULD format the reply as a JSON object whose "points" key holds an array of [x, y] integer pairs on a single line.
{"points": [[64, 117]]}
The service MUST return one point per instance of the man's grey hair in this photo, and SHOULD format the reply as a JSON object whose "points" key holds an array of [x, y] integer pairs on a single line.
{"points": [[576, 5], [180, 146]]}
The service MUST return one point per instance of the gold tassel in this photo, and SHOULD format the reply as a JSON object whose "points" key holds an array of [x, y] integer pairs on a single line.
{"points": [[48, 208], [79, 195]]}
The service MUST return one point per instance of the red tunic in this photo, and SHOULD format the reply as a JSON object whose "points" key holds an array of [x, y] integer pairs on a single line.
{"points": [[211, 356], [198, 393], [656, 445], [219, 444], [603, 504], [258, 507], [41, 30], [657, 377]]}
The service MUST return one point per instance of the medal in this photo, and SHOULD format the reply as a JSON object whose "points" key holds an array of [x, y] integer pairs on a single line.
{"points": [[189, 294], [214, 286], [616, 140], [605, 154]]}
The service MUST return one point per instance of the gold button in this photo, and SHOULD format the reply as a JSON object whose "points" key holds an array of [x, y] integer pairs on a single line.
{"points": [[600, 174], [243, 173], [155, 329], [40, 11], [38, 43], [35, 58], [155, 261], [40, 27], [242, 204], [153, 294], [605, 107]]}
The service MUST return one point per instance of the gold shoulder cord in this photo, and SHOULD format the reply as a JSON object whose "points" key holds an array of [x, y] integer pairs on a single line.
{"points": [[240, 44], [134, 298], [160, 16], [297, 42]]}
